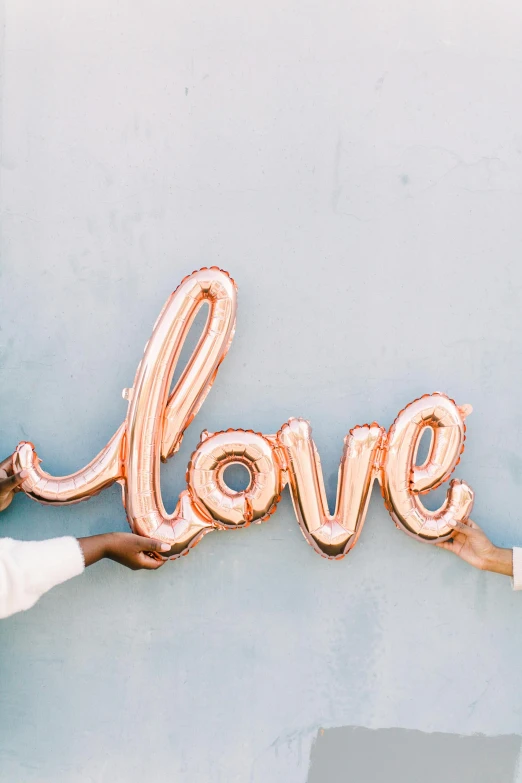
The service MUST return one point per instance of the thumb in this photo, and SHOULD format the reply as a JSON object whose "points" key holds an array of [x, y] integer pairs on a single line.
{"points": [[12, 482], [464, 527], [153, 545]]}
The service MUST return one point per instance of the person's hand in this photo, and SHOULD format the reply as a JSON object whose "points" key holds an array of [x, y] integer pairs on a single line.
{"points": [[9, 483], [470, 543], [132, 551]]}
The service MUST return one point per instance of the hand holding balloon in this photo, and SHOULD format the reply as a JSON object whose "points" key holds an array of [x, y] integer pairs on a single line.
{"points": [[471, 544], [127, 549], [9, 482]]}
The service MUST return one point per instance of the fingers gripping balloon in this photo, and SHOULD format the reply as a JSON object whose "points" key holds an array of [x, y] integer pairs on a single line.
{"points": [[156, 421]]}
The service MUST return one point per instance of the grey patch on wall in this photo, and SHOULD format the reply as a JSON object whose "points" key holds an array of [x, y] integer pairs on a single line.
{"points": [[352, 754]]}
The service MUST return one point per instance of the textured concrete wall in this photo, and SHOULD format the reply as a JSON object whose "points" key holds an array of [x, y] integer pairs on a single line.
{"points": [[357, 167]]}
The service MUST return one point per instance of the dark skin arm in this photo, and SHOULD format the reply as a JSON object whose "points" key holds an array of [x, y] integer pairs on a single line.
{"points": [[132, 551]]}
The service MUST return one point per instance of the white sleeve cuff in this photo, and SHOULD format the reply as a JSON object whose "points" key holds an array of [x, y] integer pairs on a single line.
{"points": [[45, 564], [28, 569], [52, 562], [517, 568]]}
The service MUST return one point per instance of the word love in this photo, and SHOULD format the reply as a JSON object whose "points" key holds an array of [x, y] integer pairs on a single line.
{"points": [[156, 421]]}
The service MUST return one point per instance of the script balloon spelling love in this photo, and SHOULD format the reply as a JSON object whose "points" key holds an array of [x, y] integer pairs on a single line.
{"points": [[156, 421]]}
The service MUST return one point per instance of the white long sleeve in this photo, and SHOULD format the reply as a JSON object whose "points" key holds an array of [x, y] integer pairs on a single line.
{"points": [[517, 568], [28, 569]]}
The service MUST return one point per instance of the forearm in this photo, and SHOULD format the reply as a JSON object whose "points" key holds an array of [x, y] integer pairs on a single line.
{"points": [[95, 548], [499, 562]]}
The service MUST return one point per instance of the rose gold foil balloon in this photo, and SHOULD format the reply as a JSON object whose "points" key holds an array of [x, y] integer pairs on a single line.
{"points": [[106, 468], [156, 421], [331, 536], [150, 436], [403, 481], [208, 486]]}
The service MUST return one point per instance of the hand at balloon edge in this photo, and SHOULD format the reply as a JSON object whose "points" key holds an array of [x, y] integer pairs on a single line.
{"points": [[9, 482], [469, 542], [127, 549]]}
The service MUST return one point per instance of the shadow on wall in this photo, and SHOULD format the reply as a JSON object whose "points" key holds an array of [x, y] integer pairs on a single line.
{"points": [[351, 754]]}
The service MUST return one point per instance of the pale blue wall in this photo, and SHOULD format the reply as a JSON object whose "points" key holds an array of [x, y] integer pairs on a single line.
{"points": [[357, 167]]}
